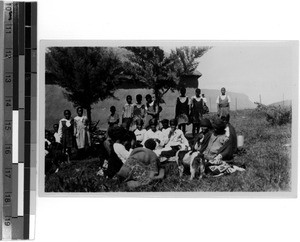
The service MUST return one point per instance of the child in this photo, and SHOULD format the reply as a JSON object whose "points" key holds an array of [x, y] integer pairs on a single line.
{"points": [[139, 110], [196, 111], [56, 136], [152, 110], [139, 132], [113, 119], [223, 103], [176, 141], [66, 133], [127, 114], [153, 133], [165, 130], [182, 110], [81, 131]]}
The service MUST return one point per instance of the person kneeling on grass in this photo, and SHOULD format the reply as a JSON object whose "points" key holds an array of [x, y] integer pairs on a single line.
{"points": [[142, 166], [176, 141]]}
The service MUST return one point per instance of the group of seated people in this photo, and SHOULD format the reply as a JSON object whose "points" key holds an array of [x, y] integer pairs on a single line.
{"points": [[138, 157]]}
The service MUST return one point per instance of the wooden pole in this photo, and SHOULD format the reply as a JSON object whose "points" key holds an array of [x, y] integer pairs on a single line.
{"points": [[283, 100], [235, 104], [259, 98], [210, 103]]}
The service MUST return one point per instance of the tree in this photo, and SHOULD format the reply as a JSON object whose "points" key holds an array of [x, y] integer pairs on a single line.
{"points": [[88, 74], [154, 69], [188, 58]]}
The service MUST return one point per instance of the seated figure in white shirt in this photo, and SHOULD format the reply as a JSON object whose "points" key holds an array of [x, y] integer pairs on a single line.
{"points": [[139, 132], [165, 131], [56, 135], [176, 141], [153, 133]]}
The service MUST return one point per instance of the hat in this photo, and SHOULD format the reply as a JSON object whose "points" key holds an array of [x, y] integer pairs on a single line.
{"points": [[150, 144], [219, 125], [205, 123]]}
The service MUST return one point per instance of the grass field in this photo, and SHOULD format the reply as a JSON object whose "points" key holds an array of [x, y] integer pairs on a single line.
{"points": [[267, 161]]}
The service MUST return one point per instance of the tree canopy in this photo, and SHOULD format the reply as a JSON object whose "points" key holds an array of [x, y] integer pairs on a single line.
{"points": [[152, 67], [188, 58], [88, 74]]}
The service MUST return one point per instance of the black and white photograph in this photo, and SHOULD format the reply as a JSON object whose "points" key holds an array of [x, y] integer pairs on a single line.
{"points": [[169, 117]]}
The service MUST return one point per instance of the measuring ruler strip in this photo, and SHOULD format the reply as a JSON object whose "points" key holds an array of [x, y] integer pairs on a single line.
{"points": [[8, 107], [33, 118], [1, 108]]}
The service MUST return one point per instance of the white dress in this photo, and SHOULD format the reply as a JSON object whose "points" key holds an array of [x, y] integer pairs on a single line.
{"points": [[81, 132]]}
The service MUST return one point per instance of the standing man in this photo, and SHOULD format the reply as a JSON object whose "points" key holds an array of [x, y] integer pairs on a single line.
{"points": [[223, 103]]}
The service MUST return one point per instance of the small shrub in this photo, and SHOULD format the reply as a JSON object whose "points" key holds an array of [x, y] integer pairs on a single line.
{"points": [[275, 115]]}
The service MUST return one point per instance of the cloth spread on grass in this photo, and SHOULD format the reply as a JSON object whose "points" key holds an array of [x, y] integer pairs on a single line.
{"points": [[219, 167]]}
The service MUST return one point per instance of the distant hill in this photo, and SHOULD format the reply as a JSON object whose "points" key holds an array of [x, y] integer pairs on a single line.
{"points": [[56, 103], [285, 103]]}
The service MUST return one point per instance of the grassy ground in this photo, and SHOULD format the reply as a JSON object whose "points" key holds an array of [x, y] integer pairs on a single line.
{"points": [[267, 161]]}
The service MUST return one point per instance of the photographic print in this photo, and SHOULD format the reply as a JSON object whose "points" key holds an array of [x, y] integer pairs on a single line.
{"points": [[157, 117]]}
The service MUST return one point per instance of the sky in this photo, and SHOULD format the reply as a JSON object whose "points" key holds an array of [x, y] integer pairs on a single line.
{"points": [[268, 69]]}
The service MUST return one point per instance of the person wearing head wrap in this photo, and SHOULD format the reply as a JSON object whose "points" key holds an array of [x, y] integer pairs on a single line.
{"points": [[214, 141], [205, 133], [153, 133], [217, 150]]}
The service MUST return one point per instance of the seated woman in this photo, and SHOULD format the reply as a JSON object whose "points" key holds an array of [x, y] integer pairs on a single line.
{"points": [[214, 151], [214, 141], [231, 146], [119, 153], [142, 166], [205, 133], [176, 141]]}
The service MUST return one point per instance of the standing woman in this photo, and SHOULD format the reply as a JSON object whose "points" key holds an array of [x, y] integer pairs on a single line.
{"points": [[182, 110], [81, 132], [196, 111], [66, 133], [152, 110], [223, 103]]}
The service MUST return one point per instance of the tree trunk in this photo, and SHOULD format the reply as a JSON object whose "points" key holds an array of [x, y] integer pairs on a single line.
{"points": [[157, 100], [89, 114]]}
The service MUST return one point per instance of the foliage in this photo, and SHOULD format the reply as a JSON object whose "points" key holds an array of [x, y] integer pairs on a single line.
{"points": [[152, 67], [88, 74], [188, 58], [275, 115]]}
